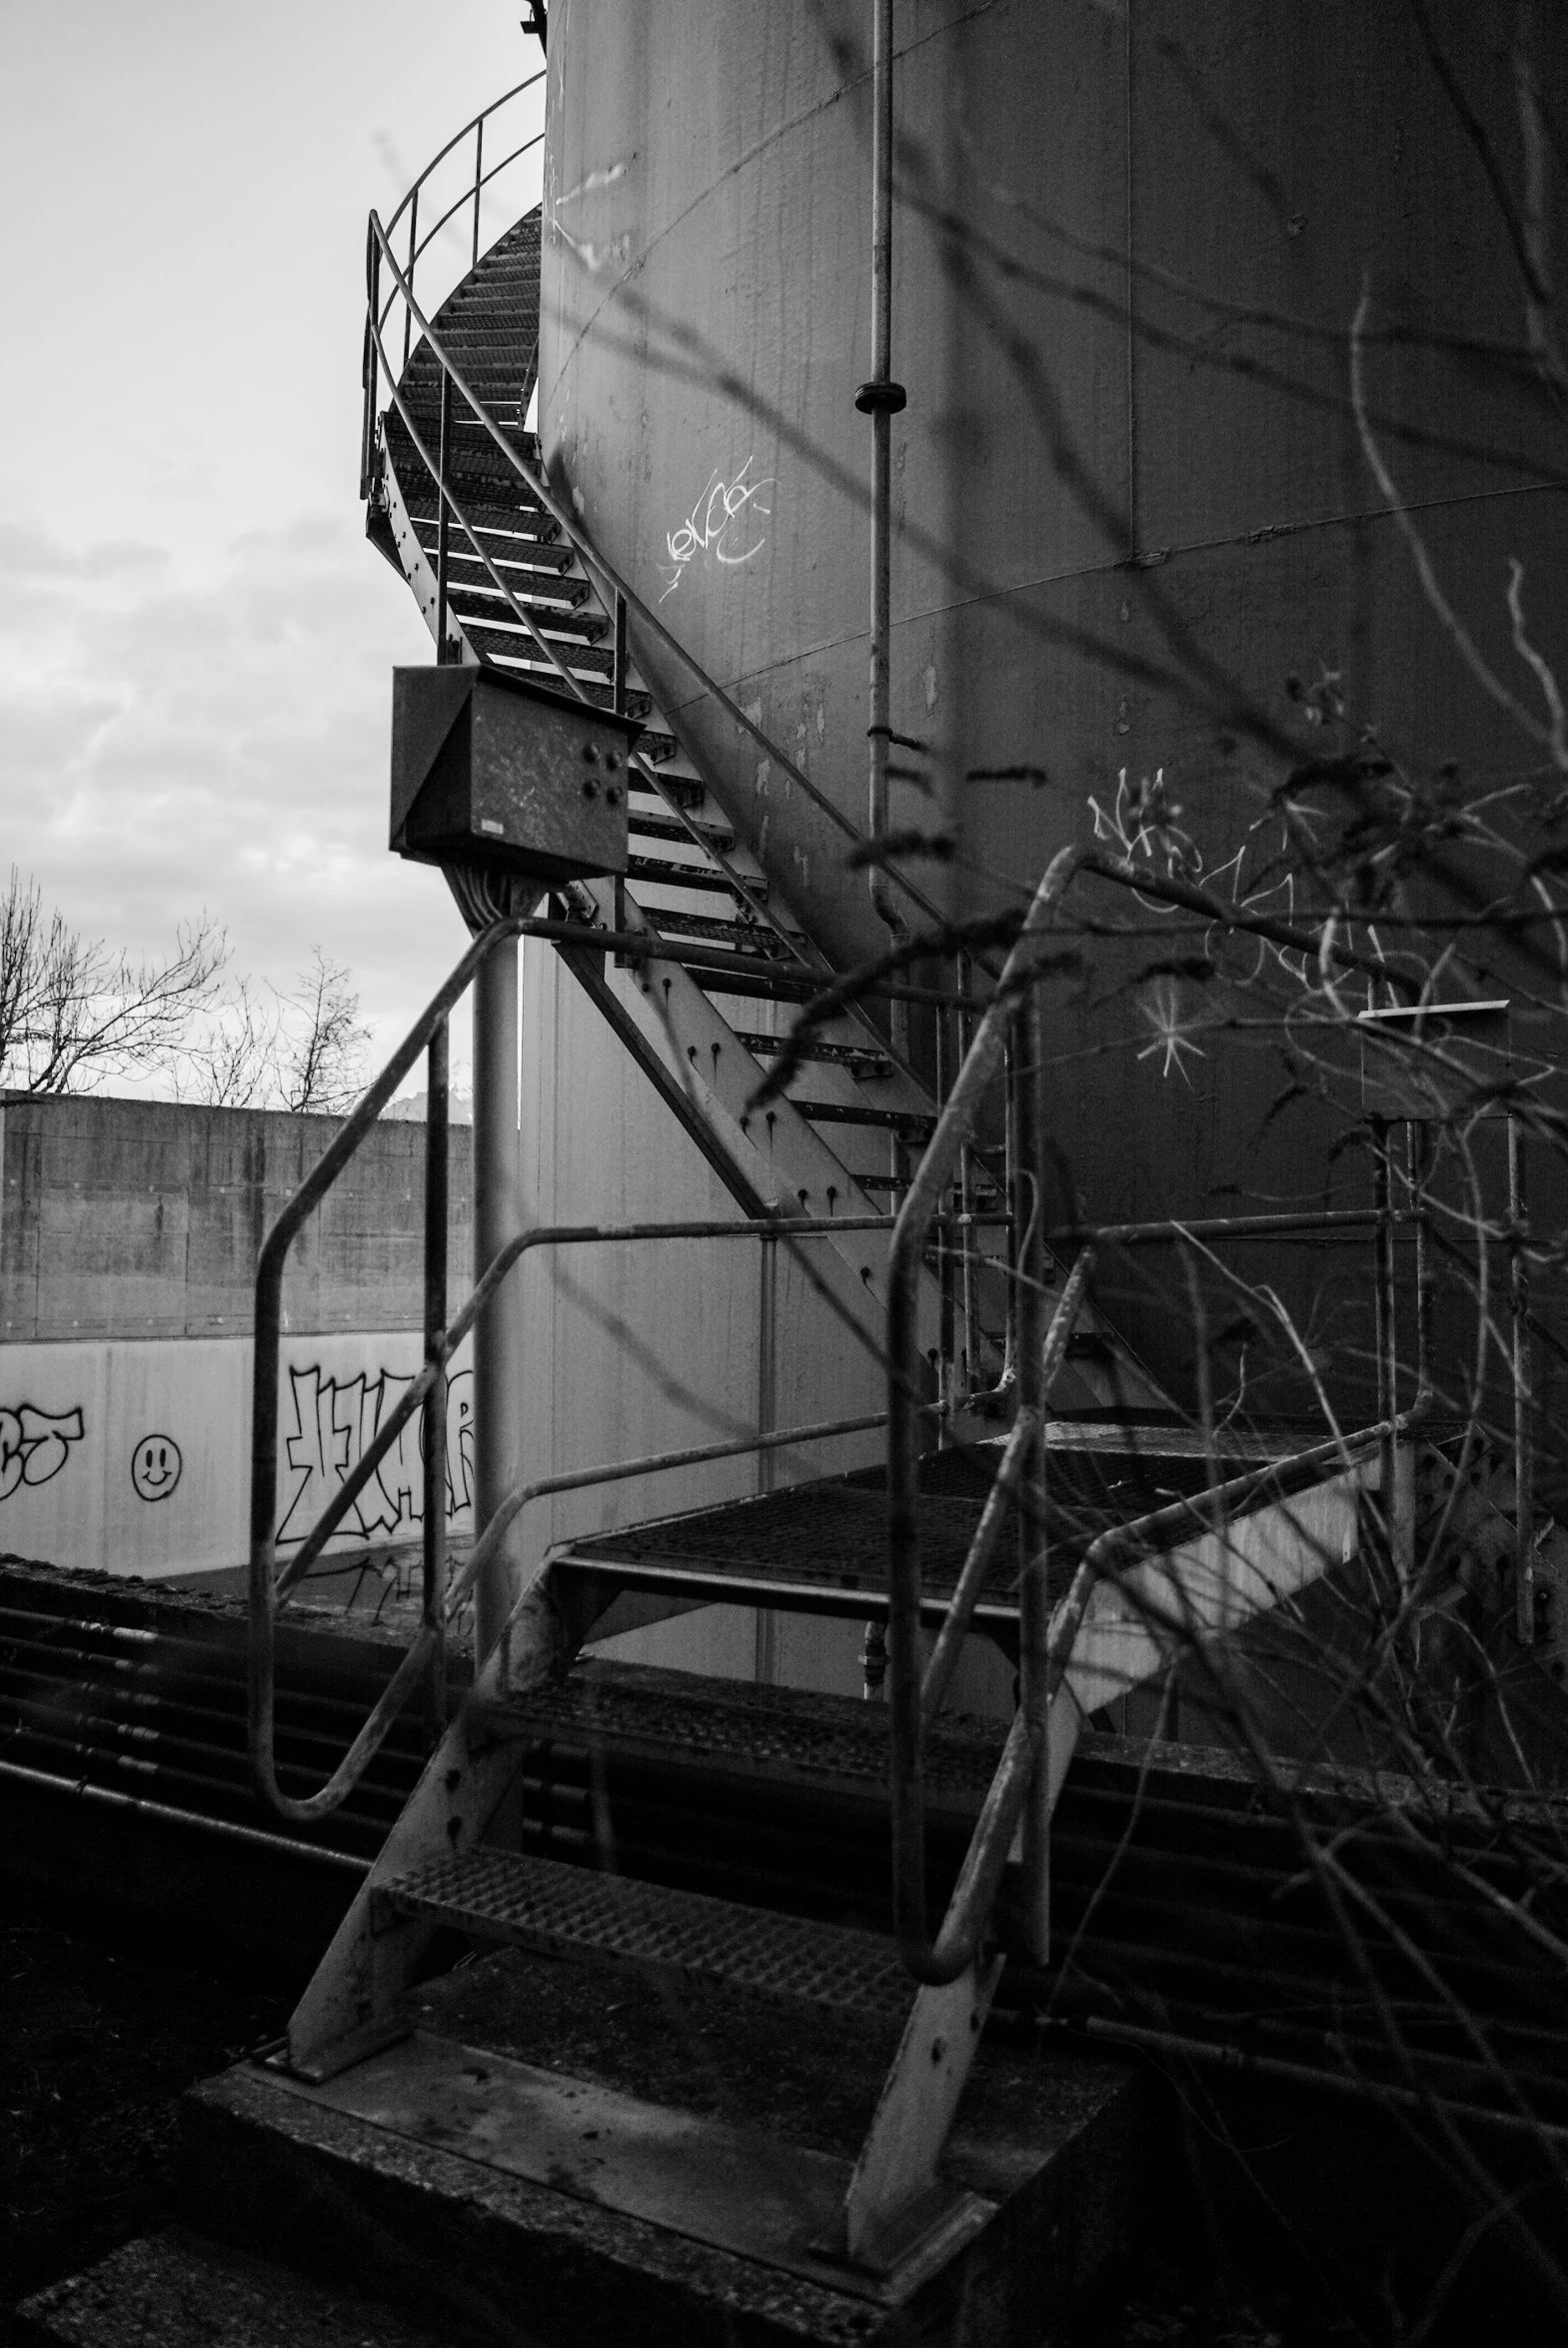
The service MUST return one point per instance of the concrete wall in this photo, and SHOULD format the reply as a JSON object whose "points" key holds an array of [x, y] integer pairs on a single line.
{"points": [[142, 1219], [128, 1243]]}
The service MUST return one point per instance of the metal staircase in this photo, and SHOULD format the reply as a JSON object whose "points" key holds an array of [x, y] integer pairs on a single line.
{"points": [[809, 2132], [459, 506]]}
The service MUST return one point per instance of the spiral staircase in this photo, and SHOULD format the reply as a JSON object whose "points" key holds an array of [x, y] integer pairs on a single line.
{"points": [[837, 1136]]}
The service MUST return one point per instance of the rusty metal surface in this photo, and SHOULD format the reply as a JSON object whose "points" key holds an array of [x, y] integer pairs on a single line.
{"points": [[789, 1735], [569, 1911], [836, 1532]]}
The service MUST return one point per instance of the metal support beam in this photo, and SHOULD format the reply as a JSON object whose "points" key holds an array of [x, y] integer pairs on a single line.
{"points": [[499, 1333]]}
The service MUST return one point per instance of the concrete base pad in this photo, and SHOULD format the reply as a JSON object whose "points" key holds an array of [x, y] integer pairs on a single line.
{"points": [[175, 2290], [411, 2182]]}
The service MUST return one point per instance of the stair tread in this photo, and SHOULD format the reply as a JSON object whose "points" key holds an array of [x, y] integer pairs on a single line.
{"points": [[666, 873], [918, 1121], [560, 1909], [748, 1728], [859, 1058], [644, 825], [749, 937]]}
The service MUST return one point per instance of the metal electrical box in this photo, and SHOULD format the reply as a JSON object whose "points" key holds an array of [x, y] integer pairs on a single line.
{"points": [[494, 770]]}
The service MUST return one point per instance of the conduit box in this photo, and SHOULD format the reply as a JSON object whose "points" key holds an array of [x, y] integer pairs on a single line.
{"points": [[489, 769]]}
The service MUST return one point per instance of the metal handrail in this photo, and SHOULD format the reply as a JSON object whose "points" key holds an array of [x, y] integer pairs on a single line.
{"points": [[1045, 1638], [810, 961], [377, 313], [267, 1585], [607, 578], [456, 138], [943, 1959]]}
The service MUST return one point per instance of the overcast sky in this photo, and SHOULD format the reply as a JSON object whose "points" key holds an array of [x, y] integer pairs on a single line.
{"points": [[197, 639]]}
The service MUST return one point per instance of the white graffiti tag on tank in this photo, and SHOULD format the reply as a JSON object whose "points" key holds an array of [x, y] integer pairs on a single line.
{"points": [[35, 1444], [721, 527], [336, 1419]]}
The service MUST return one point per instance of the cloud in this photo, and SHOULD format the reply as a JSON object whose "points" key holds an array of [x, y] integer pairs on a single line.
{"points": [[169, 745]]}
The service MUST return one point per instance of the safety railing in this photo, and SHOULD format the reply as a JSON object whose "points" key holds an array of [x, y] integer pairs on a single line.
{"points": [[608, 583], [1018, 1793], [423, 1663], [470, 197]]}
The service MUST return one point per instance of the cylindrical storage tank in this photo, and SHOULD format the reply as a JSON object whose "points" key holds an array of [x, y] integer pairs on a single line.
{"points": [[1145, 560]]}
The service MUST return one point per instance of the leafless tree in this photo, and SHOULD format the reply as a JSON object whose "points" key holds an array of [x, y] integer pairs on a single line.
{"points": [[319, 1052], [235, 1063], [74, 1012]]}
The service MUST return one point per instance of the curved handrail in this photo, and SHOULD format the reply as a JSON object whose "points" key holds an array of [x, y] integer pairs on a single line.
{"points": [[811, 961], [457, 137], [608, 580], [481, 181]]}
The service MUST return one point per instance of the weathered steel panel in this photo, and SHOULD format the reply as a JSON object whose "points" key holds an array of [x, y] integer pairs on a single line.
{"points": [[1130, 500]]}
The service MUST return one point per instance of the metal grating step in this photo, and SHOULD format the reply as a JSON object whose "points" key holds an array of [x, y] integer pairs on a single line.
{"points": [[796, 1737], [572, 1911], [647, 826], [913, 1124], [862, 1059], [666, 873]]}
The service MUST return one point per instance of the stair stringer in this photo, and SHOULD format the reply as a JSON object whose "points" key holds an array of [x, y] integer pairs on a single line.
{"points": [[354, 1999]]}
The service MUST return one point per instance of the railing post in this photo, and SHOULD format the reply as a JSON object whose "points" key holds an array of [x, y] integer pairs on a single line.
{"points": [[371, 365], [1523, 1384], [444, 519], [478, 181], [499, 1331], [434, 1429], [1399, 1496], [618, 672], [408, 299], [1034, 1602]]}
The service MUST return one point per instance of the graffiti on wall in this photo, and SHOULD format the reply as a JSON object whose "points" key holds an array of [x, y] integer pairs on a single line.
{"points": [[155, 1468], [718, 527], [35, 1444], [334, 1421]]}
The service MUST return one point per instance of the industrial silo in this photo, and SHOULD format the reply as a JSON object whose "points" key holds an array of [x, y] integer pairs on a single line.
{"points": [[1145, 557]]}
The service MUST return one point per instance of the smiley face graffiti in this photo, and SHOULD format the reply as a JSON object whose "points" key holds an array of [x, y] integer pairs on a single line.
{"points": [[154, 1466]]}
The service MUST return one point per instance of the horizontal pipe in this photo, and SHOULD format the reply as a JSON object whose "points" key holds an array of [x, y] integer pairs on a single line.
{"points": [[1242, 2061], [1222, 1226], [256, 1837]]}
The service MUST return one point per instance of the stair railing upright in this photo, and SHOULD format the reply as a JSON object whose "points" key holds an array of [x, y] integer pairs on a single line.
{"points": [[1020, 1792], [472, 194], [423, 1663]]}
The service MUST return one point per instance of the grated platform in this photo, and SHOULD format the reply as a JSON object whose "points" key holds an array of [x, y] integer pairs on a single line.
{"points": [[559, 1910], [824, 1543]]}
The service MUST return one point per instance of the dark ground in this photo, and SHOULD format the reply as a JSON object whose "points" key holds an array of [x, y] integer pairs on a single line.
{"points": [[103, 2031], [99, 2040]]}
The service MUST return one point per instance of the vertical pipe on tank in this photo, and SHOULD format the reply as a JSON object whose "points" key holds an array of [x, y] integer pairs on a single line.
{"points": [[881, 399], [1033, 1598], [498, 1335], [1523, 1382]]}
